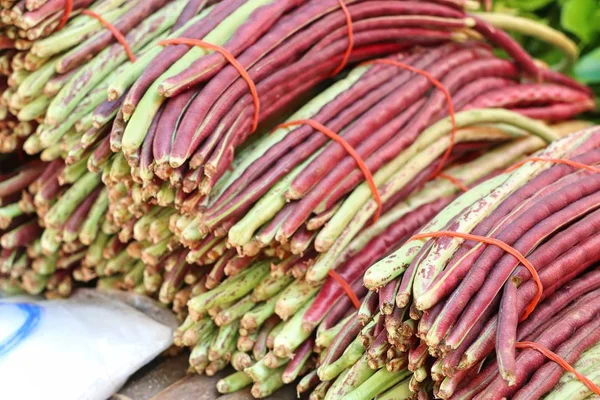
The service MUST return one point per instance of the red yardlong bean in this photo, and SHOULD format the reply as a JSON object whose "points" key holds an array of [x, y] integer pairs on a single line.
{"points": [[413, 35], [32, 18], [543, 180], [558, 317], [376, 160], [549, 75], [528, 94], [349, 332], [174, 109], [559, 300], [457, 60], [428, 318], [146, 159], [291, 24], [357, 11], [358, 53], [387, 297], [405, 290], [100, 155], [76, 219], [503, 40], [191, 9], [21, 236], [280, 101], [301, 240], [242, 133], [331, 292], [191, 131], [401, 21], [192, 179], [452, 357], [557, 112], [368, 308], [25, 176], [475, 88]]}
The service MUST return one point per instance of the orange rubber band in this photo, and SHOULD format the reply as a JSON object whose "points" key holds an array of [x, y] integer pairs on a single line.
{"points": [[350, 47], [560, 361], [349, 292], [507, 248], [66, 14], [454, 180], [349, 149], [118, 35], [441, 87], [564, 161], [229, 57]]}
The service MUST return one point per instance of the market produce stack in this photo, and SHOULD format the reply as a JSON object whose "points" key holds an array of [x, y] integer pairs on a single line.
{"points": [[468, 297], [246, 161]]}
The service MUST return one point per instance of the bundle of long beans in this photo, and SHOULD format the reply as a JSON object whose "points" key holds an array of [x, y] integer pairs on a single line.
{"points": [[152, 182], [56, 83], [180, 124], [470, 303], [298, 309]]}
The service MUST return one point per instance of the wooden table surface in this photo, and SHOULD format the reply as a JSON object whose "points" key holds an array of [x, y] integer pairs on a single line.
{"points": [[166, 379]]}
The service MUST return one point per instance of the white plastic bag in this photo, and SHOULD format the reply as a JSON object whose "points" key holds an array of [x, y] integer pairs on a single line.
{"points": [[81, 348]]}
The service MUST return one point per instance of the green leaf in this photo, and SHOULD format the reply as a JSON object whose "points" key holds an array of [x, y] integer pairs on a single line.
{"points": [[587, 69], [528, 5], [578, 18]]}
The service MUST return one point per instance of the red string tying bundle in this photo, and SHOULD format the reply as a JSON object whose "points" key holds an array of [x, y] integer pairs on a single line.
{"points": [[441, 87], [349, 149], [560, 361], [66, 14], [231, 59], [68, 10], [504, 246], [350, 47], [116, 33], [347, 288], [454, 180]]}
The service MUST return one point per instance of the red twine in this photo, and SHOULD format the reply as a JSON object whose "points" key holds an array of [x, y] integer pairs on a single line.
{"points": [[347, 288], [350, 39], [229, 57], [441, 87], [349, 149], [507, 248], [66, 14], [454, 180], [560, 361], [116, 33]]}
